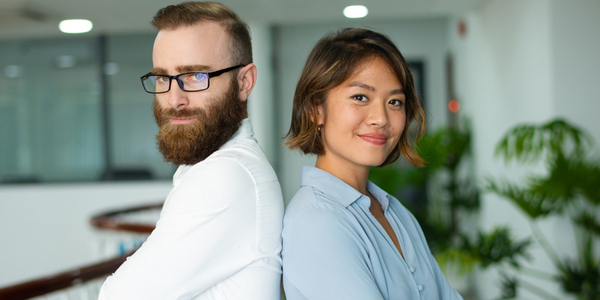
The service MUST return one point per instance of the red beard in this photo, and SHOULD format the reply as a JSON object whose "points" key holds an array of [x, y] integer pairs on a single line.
{"points": [[193, 142]]}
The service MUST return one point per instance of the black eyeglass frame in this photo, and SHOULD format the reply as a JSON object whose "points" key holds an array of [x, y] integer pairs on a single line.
{"points": [[180, 83]]}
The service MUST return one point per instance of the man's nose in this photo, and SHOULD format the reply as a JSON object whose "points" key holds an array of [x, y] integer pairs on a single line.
{"points": [[177, 97]]}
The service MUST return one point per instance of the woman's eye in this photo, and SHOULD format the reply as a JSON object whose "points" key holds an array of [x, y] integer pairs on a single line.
{"points": [[360, 97], [396, 102]]}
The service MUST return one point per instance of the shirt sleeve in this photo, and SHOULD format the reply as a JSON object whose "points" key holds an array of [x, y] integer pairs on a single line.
{"points": [[206, 233], [324, 258]]}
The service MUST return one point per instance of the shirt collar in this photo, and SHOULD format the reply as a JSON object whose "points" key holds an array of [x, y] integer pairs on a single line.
{"points": [[245, 131], [382, 196], [340, 191]]}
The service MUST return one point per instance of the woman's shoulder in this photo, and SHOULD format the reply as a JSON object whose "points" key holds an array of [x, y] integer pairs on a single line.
{"points": [[310, 205]]}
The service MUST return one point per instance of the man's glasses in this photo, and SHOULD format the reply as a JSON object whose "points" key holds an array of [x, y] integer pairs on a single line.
{"points": [[189, 82]]}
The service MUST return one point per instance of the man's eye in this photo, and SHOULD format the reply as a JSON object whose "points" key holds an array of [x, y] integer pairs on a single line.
{"points": [[162, 79], [199, 76]]}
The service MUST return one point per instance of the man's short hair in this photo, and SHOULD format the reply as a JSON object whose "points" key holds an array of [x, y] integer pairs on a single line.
{"points": [[191, 13], [333, 60]]}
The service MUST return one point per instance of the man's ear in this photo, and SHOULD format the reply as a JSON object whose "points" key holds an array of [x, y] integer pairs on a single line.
{"points": [[246, 80]]}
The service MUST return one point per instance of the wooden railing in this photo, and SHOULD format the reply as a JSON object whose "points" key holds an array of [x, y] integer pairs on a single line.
{"points": [[114, 220], [122, 221]]}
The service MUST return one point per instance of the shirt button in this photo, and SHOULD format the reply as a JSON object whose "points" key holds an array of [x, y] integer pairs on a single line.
{"points": [[421, 287], [412, 269]]}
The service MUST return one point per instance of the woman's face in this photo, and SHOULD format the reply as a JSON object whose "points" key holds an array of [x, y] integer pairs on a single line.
{"points": [[364, 117]]}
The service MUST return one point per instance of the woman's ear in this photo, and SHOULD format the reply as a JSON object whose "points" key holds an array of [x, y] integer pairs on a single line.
{"points": [[246, 79], [320, 119]]}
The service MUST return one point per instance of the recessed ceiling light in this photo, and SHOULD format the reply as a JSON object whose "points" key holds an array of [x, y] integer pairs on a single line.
{"points": [[75, 26], [355, 11]]}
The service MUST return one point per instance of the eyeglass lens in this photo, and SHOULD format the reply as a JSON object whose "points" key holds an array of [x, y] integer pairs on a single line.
{"points": [[194, 81]]}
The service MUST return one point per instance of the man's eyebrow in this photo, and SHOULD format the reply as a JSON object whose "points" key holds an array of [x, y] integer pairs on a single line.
{"points": [[193, 68], [368, 87], [160, 71], [182, 69]]}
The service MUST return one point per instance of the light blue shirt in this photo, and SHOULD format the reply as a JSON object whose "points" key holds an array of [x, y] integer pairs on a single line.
{"points": [[333, 247]]}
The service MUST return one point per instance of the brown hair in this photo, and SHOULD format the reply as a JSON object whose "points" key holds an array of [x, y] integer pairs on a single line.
{"points": [[190, 13], [333, 60]]}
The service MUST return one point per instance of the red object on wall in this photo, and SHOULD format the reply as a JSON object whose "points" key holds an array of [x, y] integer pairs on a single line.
{"points": [[461, 26], [454, 106]]}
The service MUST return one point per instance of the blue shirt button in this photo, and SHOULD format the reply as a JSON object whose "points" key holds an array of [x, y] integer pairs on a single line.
{"points": [[421, 287], [412, 269]]}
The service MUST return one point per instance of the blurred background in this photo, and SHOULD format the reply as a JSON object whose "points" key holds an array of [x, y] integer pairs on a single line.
{"points": [[77, 132]]}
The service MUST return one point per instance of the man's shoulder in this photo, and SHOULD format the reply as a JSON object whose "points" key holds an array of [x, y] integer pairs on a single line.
{"points": [[246, 149], [244, 158]]}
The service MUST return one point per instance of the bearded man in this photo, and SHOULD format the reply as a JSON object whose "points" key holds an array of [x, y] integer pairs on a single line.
{"points": [[219, 233]]}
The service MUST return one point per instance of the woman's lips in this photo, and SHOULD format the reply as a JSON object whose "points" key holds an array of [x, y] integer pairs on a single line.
{"points": [[182, 120], [374, 138]]}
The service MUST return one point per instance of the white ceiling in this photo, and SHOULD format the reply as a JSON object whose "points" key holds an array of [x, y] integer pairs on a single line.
{"points": [[40, 18]]}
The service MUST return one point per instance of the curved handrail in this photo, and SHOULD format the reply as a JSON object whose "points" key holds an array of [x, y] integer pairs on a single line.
{"points": [[107, 220], [41, 286]]}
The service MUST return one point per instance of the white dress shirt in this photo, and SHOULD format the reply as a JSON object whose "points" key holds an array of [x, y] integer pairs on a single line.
{"points": [[218, 236]]}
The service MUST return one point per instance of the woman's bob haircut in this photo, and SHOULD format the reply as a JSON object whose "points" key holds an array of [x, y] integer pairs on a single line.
{"points": [[334, 59]]}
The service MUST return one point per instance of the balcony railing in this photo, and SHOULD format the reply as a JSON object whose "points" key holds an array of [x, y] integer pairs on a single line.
{"points": [[121, 232]]}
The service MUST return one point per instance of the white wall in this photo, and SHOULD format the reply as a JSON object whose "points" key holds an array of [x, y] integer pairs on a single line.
{"points": [[44, 228], [576, 62], [526, 62], [261, 109], [426, 40]]}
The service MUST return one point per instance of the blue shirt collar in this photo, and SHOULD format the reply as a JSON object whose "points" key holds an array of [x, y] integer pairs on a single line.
{"points": [[340, 191]]}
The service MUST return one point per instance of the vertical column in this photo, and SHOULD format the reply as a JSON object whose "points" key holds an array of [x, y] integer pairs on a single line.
{"points": [[261, 104]]}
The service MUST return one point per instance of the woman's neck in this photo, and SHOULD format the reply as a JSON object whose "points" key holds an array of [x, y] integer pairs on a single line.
{"points": [[354, 175]]}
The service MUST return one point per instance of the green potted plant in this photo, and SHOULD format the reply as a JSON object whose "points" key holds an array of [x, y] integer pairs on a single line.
{"points": [[571, 187]]}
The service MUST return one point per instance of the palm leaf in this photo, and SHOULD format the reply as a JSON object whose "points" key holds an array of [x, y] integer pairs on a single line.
{"points": [[588, 221], [527, 143], [534, 204], [498, 246]]}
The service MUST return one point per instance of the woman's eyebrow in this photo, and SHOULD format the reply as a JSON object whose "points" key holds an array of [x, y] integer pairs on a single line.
{"points": [[368, 87], [399, 91], [361, 85]]}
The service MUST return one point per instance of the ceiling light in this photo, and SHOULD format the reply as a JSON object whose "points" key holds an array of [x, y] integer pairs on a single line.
{"points": [[75, 26], [355, 11]]}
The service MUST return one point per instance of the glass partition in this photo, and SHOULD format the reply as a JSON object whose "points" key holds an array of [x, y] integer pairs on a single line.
{"points": [[52, 126]]}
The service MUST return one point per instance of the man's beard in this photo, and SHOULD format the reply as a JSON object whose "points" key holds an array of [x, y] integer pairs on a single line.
{"points": [[193, 142]]}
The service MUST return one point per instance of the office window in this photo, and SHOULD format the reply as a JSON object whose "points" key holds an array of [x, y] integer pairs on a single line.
{"points": [[53, 126], [132, 124], [49, 105]]}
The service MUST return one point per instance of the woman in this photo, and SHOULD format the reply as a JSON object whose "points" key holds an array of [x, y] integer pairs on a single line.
{"points": [[344, 237]]}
